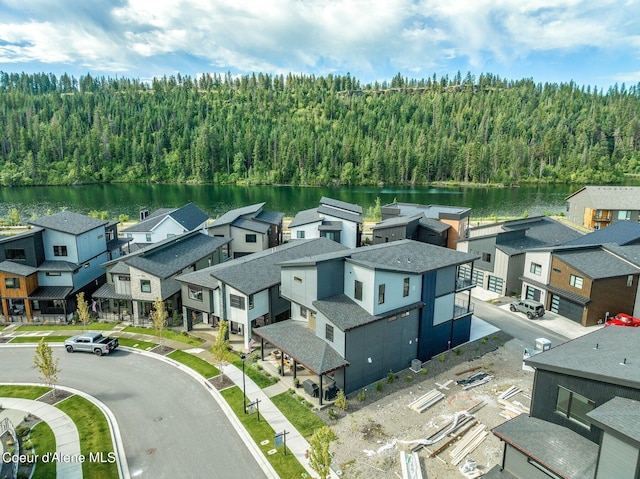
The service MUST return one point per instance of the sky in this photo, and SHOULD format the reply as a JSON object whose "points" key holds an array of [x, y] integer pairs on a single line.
{"points": [[590, 42]]}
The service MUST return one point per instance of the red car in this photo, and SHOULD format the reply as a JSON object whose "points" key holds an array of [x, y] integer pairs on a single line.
{"points": [[622, 319]]}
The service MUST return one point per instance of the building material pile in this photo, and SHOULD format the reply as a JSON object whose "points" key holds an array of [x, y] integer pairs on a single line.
{"points": [[427, 400], [511, 409], [475, 380]]}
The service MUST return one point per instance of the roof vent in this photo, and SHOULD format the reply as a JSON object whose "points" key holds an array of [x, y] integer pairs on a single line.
{"points": [[624, 362], [596, 346]]}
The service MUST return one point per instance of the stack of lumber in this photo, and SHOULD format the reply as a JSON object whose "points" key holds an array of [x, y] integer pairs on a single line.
{"points": [[469, 443], [475, 380], [427, 400], [511, 409]]}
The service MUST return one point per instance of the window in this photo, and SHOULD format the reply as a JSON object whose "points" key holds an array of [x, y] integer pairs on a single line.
{"points": [[357, 293], [15, 253], [405, 287], [328, 332], [60, 250], [575, 281], [300, 234], [145, 285], [12, 283], [124, 278], [54, 273], [390, 319], [486, 257], [629, 281], [557, 270], [624, 215], [574, 406], [250, 301], [148, 237], [381, 289], [297, 279], [195, 293], [250, 238], [129, 235], [536, 269], [303, 311], [110, 235], [236, 301]]}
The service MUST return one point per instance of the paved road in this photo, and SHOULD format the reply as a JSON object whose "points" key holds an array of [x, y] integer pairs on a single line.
{"points": [[171, 426], [518, 326]]}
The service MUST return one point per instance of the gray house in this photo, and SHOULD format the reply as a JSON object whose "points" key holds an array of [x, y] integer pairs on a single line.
{"points": [[596, 207], [374, 309], [585, 415], [416, 227]]}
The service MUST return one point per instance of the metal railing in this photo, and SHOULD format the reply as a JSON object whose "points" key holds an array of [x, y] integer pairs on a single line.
{"points": [[462, 307]]}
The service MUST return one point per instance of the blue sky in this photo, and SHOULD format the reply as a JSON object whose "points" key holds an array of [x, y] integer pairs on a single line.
{"points": [[592, 42]]}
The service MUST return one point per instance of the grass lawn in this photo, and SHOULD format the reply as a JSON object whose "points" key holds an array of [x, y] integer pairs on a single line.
{"points": [[286, 466], [43, 441], [36, 339], [166, 334], [136, 343], [300, 416], [26, 392], [95, 435], [73, 327], [206, 369], [258, 377]]}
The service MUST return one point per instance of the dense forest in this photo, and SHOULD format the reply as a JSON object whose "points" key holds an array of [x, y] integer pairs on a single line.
{"points": [[307, 130]]}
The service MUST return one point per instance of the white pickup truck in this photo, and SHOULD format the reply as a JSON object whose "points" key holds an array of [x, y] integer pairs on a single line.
{"points": [[94, 343]]}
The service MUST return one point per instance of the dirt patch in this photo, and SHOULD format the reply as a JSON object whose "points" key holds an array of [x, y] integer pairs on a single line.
{"points": [[377, 421], [221, 381], [162, 350], [51, 398]]}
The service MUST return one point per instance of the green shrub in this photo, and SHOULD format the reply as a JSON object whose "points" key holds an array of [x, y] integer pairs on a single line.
{"points": [[424, 371], [341, 401], [458, 351], [379, 386], [442, 358], [391, 377], [362, 395], [408, 378]]}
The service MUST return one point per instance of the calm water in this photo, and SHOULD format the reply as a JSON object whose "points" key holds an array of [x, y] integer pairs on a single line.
{"points": [[215, 200]]}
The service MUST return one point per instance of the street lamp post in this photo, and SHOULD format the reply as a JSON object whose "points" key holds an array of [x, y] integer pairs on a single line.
{"points": [[244, 394]]}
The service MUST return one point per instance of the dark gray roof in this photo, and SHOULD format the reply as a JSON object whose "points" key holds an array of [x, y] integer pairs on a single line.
{"points": [[621, 415], [171, 256], [189, 217], [629, 252], [596, 263], [57, 266], [409, 256], [232, 215], [17, 268], [251, 225], [357, 209], [540, 232], [434, 225], [330, 226], [108, 291], [430, 211], [346, 314], [301, 343], [620, 233], [69, 222], [579, 357], [609, 197], [317, 258], [560, 449], [397, 221], [24, 234], [120, 267], [305, 217], [259, 271], [51, 292], [338, 213], [271, 217]]}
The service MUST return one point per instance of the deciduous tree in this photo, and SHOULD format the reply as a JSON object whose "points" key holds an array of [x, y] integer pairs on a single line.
{"points": [[47, 365]]}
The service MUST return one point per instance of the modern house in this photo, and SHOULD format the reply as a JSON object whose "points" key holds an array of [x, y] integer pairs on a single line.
{"points": [[597, 207], [502, 246], [165, 223], [251, 229], [333, 219], [585, 412], [246, 290], [136, 280], [373, 309], [42, 270], [435, 224], [586, 284]]}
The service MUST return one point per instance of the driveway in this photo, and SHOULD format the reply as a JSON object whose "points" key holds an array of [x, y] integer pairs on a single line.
{"points": [[170, 425]]}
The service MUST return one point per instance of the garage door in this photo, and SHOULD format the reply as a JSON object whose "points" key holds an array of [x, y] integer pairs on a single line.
{"points": [[495, 284], [566, 308], [477, 277], [533, 293]]}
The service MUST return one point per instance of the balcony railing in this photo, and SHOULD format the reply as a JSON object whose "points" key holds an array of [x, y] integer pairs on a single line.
{"points": [[464, 283], [462, 307]]}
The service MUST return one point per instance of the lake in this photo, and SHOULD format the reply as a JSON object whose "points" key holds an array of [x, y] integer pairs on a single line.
{"points": [[128, 199]]}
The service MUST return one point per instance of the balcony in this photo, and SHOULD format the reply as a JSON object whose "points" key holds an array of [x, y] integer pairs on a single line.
{"points": [[462, 307], [464, 284]]}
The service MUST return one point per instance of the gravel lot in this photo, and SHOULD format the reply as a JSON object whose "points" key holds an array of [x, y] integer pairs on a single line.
{"points": [[384, 416]]}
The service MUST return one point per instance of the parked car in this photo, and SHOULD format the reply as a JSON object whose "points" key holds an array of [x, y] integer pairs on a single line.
{"points": [[94, 343], [533, 309], [622, 319]]}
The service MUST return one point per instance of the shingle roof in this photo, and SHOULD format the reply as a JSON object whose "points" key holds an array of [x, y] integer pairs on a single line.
{"points": [[629, 252], [69, 222], [271, 217], [434, 225], [559, 448], [619, 414], [346, 314], [580, 357], [251, 225], [430, 211], [620, 233], [305, 217], [330, 226], [397, 221], [540, 233], [596, 263], [338, 213], [17, 268], [232, 215], [301, 343], [259, 271], [24, 234], [54, 265], [357, 209], [409, 256], [189, 217], [610, 197]]}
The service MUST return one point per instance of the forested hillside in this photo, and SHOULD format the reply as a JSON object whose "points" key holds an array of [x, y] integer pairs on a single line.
{"points": [[263, 129]]}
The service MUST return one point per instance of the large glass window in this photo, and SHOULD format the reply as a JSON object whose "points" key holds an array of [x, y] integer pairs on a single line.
{"points": [[15, 254], [60, 250], [575, 281], [328, 332], [300, 234], [12, 283], [195, 293], [236, 301], [357, 293], [624, 215], [574, 406], [536, 269], [405, 287], [250, 238], [145, 285], [381, 290]]}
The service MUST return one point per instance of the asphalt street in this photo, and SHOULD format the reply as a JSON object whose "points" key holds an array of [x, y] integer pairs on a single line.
{"points": [[170, 425]]}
